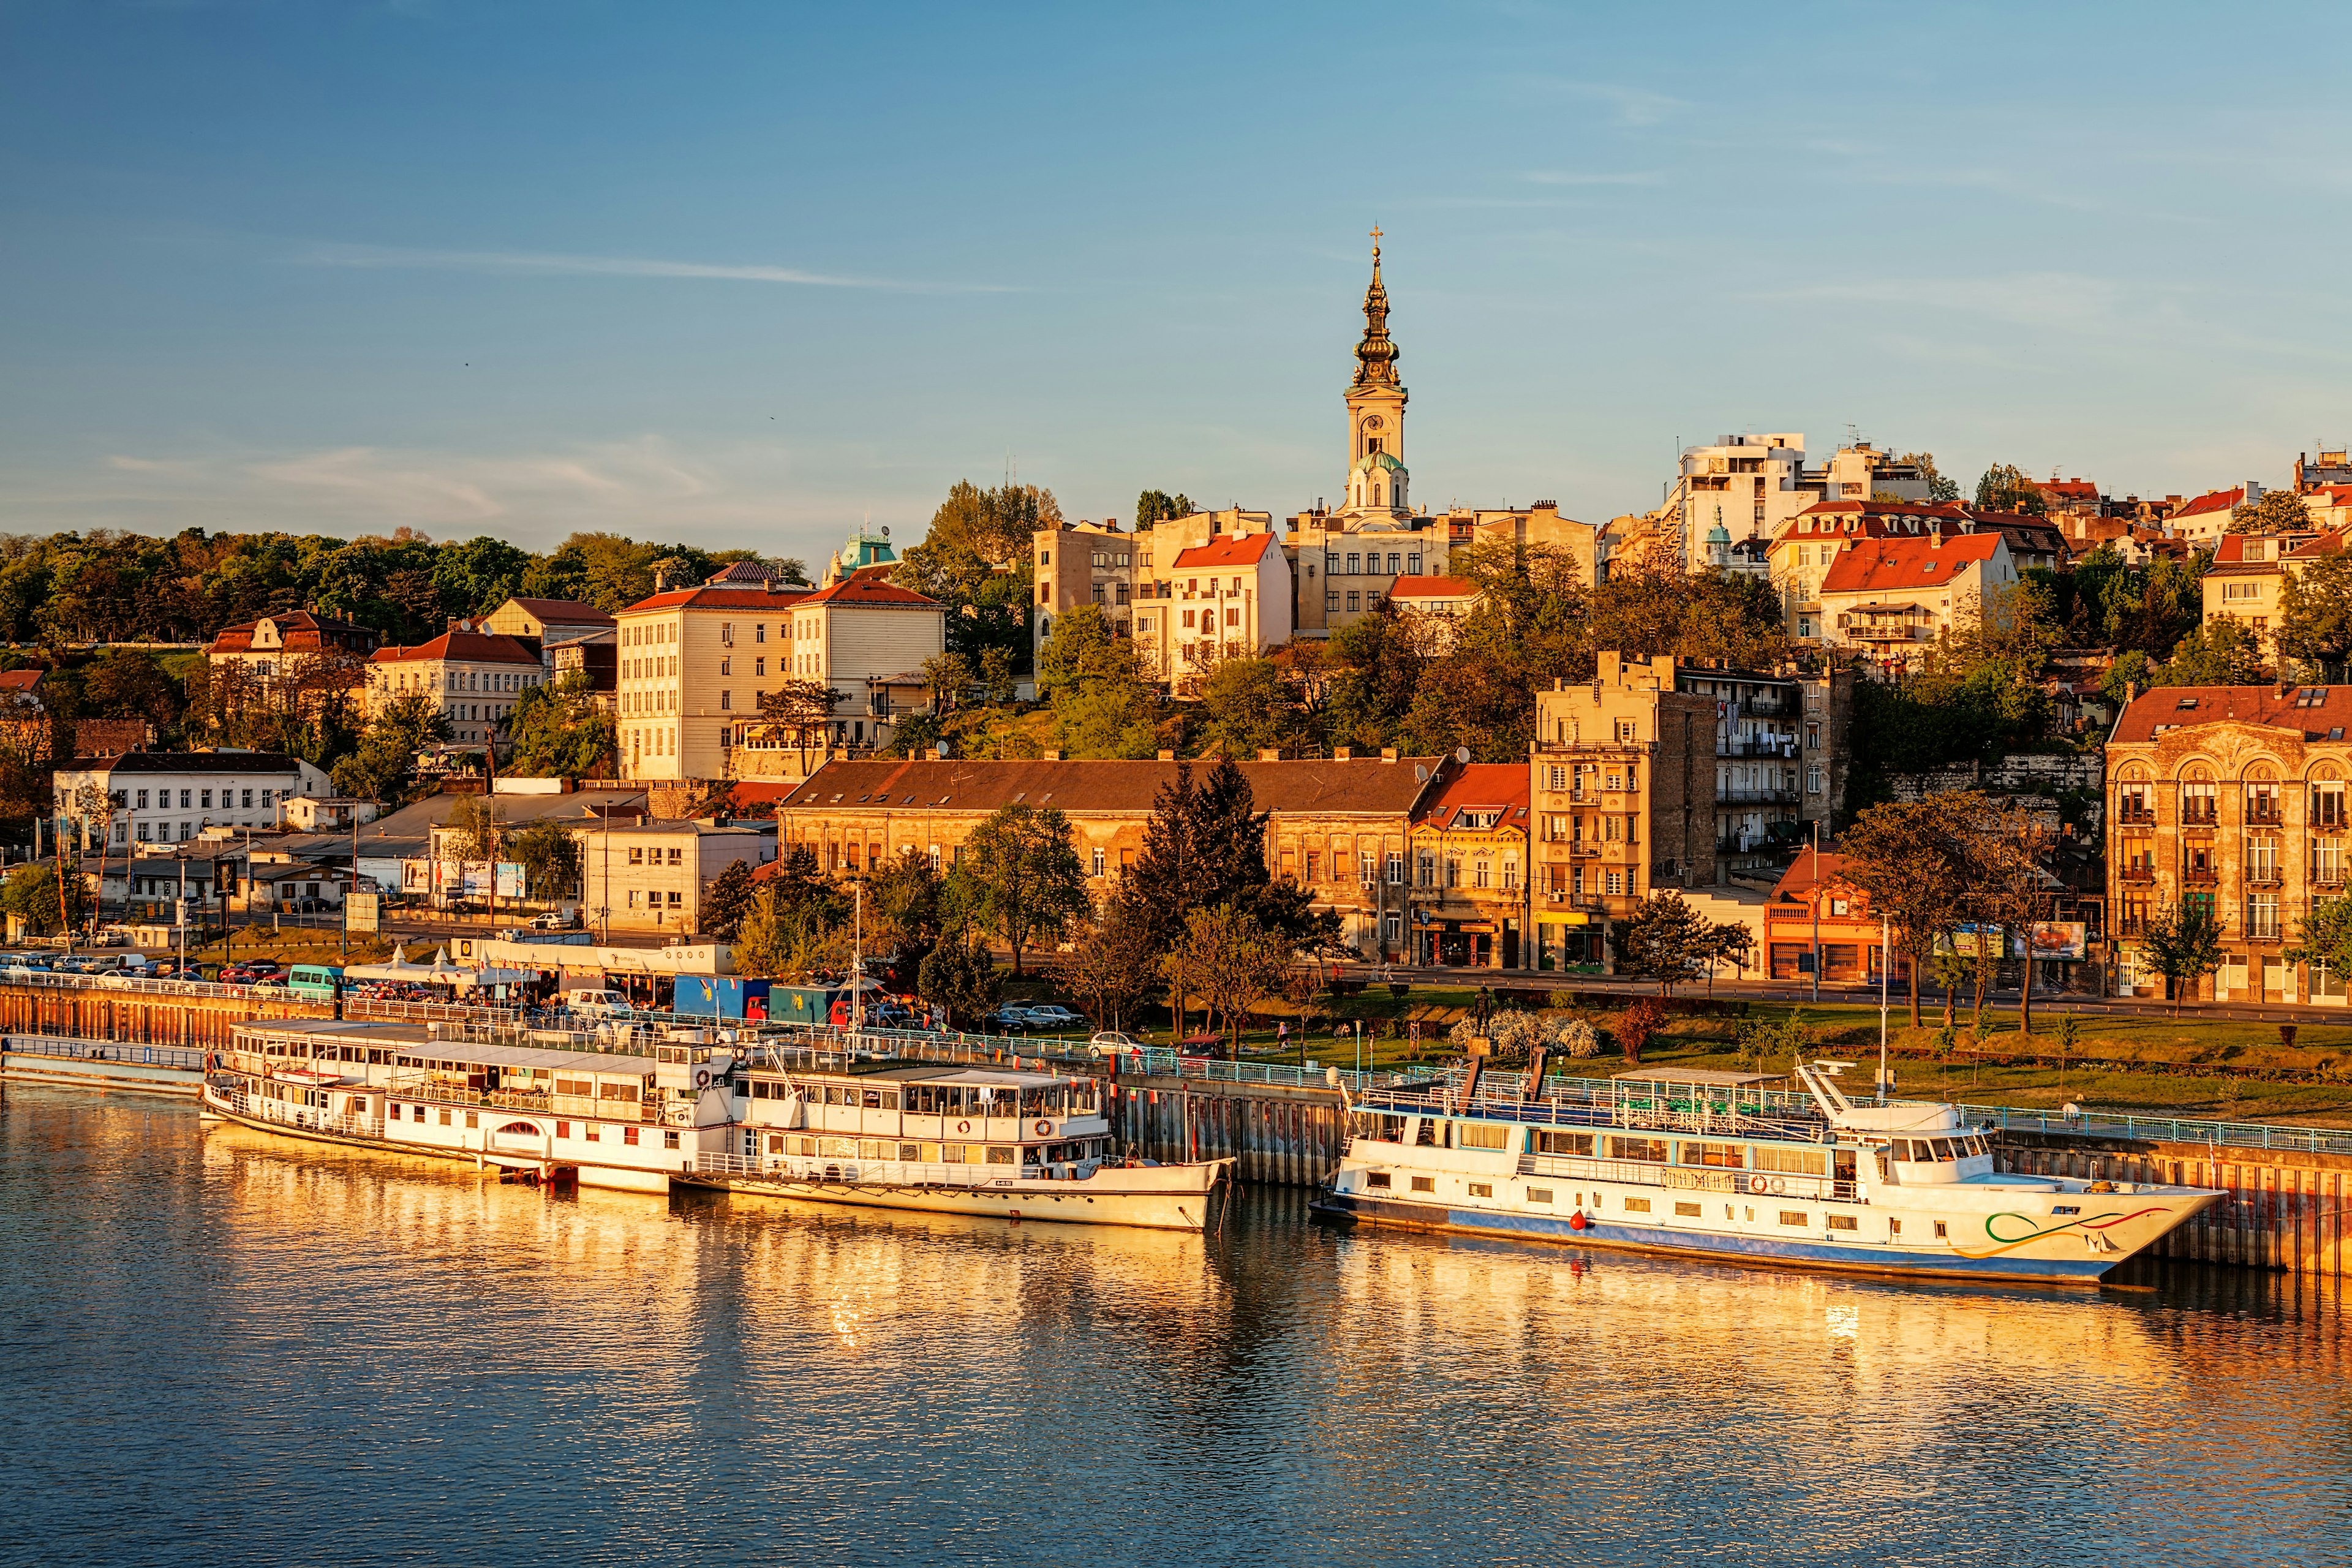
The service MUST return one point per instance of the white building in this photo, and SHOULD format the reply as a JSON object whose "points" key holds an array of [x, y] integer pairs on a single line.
{"points": [[651, 876], [1750, 485], [475, 676], [171, 797], [1229, 598]]}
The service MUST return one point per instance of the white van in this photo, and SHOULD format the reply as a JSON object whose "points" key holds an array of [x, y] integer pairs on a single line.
{"points": [[598, 1003]]}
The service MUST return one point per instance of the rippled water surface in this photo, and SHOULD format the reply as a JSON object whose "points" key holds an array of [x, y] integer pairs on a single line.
{"points": [[221, 1347]]}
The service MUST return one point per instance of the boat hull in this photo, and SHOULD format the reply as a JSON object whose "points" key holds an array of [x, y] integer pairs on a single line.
{"points": [[1180, 1205], [2045, 1258], [612, 1178]]}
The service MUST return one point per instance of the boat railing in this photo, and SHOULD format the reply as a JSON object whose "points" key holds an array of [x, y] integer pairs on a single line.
{"points": [[1681, 1178], [88, 1050], [309, 1117], [852, 1170]]}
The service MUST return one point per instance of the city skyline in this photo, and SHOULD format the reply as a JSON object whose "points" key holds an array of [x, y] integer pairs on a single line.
{"points": [[752, 282]]}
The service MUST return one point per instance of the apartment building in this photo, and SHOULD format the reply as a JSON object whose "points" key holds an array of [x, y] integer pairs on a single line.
{"points": [[171, 797], [1750, 486], [1801, 552], [1623, 797], [1082, 564], [1438, 605], [1888, 599], [2230, 799], [2247, 580], [274, 646], [2203, 520], [651, 876], [693, 663], [1469, 854], [1227, 598], [474, 675], [542, 624], [1338, 826]]}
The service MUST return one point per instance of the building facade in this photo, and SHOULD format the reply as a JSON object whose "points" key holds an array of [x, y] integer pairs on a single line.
{"points": [[2247, 580], [1889, 599], [473, 675], [2230, 799], [1336, 827], [1468, 860], [1226, 598], [1622, 801], [172, 797], [650, 876]]}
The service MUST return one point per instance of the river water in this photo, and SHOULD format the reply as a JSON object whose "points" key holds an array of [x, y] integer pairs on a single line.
{"points": [[222, 1347]]}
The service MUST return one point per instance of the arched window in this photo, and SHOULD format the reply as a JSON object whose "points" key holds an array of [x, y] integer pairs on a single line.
{"points": [[2264, 803], [519, 1130], [2198, 796]]}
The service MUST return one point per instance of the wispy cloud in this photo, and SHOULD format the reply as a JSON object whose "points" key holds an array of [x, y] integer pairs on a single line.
{"points": [[1632, 105], [530, 263], [1578, 177]]}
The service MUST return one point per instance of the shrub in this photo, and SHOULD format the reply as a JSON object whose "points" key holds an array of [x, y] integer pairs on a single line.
{"points": [[1636, 1026], [1573, 1037]]}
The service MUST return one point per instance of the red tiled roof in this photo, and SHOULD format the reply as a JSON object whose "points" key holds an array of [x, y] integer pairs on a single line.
{"points": [[1433, 588], [866, 586], [721, 599], [300, 630], [971, 783], [20, 680], [1898, 565], [2162, 709], [563, 612], [1479, 786], [465, 647], [2211, 501], [1239, 550], [1809, 870], [2074, 489]]}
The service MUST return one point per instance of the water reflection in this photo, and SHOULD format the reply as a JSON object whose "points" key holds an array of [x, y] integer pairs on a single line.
{"points": [[233, 1347]]}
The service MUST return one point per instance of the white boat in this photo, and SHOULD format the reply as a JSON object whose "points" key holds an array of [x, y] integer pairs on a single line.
{"points": [[1703, 1165], [801, 1123]]}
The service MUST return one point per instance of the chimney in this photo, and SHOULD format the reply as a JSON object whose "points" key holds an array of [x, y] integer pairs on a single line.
{"points": [[1166, 756], [661, 579], [1269, 755], [1052, 756], [1388, 754], [1341, 753]]}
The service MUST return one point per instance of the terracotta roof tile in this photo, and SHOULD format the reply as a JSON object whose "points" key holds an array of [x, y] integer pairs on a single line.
{"points": [[2181, 707], [1241, 549], [972, 783], [1900, 565], [465, 648]]}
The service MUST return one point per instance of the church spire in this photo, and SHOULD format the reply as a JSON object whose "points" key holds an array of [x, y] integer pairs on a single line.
{"points": [[1376, 356]]}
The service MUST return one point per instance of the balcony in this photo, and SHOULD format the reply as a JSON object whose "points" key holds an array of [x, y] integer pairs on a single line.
{"points": [[2200, 876], [2136, 875], [1755, 795], [1784, 747], [2134, 817]]}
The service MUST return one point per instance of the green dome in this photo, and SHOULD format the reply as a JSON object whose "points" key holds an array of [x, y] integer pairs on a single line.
{"points": [[1370, 461]]}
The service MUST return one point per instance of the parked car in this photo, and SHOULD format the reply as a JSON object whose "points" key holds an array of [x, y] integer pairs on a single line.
{"points": [[1054, 1015], [251, 972], [598, 1003], [553, 920], [190, 973], [1111, 1043], [1008, 1019]]}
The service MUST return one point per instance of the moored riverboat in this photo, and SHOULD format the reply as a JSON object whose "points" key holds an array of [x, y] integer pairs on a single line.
{"points": [[1701, 1164], [832, 1126]]}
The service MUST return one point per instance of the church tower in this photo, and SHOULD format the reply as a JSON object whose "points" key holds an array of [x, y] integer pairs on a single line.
{"points": [[1377, 477]]}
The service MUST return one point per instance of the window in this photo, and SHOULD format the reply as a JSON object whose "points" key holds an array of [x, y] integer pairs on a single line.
{"points": [[1637, 1206], [1538, 1195], [1686, 1211], [1845, 1222], [726, 699], [1377, 1179], [2196, 798], [1941, 1230], [1354, 566], [1793, 1162], [1097, 861], [1650, 1151], [1000, 1155], [1330, 599], [1424, 1183], [636, 855], [1792, 1217], [1722, 1156], [1355, 599], [205, 797], [1485, 1135], [1481, 1189], [143, 800]]}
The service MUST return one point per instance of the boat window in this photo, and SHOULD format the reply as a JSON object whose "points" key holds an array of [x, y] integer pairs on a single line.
{"points": [[1653, 1150], [873, 1099], [999, 1154], [1637, 1206], [1388, 1128], [1551, 1143], [1793, 1162], [952, 1153], [1538, 1195], [578, 1088], [1376, 1179], [627, 1092], [1725, 1156], [1944, 1149], [1425, 1135], [1485, 1135]]}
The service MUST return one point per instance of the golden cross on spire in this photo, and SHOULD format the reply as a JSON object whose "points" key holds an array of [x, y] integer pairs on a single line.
{"points": [[1376, 236]]}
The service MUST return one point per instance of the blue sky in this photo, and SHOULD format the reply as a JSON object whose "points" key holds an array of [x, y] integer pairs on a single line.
{"points": [[745, 275]]}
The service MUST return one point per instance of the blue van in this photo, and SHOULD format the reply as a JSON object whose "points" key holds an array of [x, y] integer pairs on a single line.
{"points": [[318, 981]]}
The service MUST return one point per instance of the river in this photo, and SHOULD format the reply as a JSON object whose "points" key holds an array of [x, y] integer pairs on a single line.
{"points": [[226, 1348]]}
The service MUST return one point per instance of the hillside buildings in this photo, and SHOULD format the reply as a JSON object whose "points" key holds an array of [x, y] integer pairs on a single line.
{"points": [[172, 797], [474, 677]]}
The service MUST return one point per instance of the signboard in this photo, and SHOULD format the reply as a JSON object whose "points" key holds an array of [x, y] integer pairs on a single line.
{"points": [[509, 880], [2067, 939], [1968, 940], [366, 911]]}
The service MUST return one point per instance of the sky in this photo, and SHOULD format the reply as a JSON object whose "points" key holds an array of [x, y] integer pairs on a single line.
{"points": [[750, 275]]}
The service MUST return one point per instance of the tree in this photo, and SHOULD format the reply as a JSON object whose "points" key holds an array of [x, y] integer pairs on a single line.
{"points": [[947, 677], [782, 939], [476, 820], [1939, 488], [1666, 940], [1108, 966], [977, 562], [959, 978], [1231, 962], [1156, 506], [905, 901], [2315, 613], [2274, 512], [1637, 1025], [1244, 708], [2005, 486], [31, 894], [796, 710], [2219, 653], [2324, 936], [549, 853], [726, 901], [2183, 943], [1094, 680], [2009, 845], [1020, 878], [385, 764], [561, 730], [1910, 859]]}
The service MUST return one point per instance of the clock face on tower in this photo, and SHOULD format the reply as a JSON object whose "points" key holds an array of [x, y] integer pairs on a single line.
{"points": [[1373, 423]]}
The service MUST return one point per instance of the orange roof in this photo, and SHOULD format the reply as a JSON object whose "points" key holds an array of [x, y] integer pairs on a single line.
{"points": [[2179, 707], [1899, 565], [865, 586], [719, 599], [20, 680], [1809, 870], [564, 612], [1433, 588], [2213, 501], [465, 647], [1240, 550], [1479, 786]]}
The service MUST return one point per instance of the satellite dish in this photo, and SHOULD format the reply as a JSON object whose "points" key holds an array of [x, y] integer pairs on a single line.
{"points": [[886, 530], [1460, 753]]}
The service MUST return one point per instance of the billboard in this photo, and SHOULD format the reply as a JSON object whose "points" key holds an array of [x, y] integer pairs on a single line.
{"points": [[2062, 940]]}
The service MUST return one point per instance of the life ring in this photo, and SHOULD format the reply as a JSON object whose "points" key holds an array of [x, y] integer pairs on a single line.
{"points": [[1779, 1188], [963, 1126], [1756, 1184], [702, 1078], [1044, 1128], [1577, 1221]]}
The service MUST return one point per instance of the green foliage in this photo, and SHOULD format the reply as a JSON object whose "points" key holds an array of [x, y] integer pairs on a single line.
{"points": [[2183, 942], [1667, 940], [1246, 706], [1094, 682], [2275, 511], [726, 901], [976, 560], [906, 908], [2218, 653], [2324, 936], [2315, 613], [1939, 488], [30, 894], [2005, 486], [1109, 966], [1204, 847], [549, 853], [1157, 506], [959, 977], [785, 936], [1020, 878], [559, 731], [1227, 958], [385, 764]]}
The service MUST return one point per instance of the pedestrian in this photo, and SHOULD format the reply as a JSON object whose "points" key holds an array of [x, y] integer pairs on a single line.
{"points": [[1282, 1034]]}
